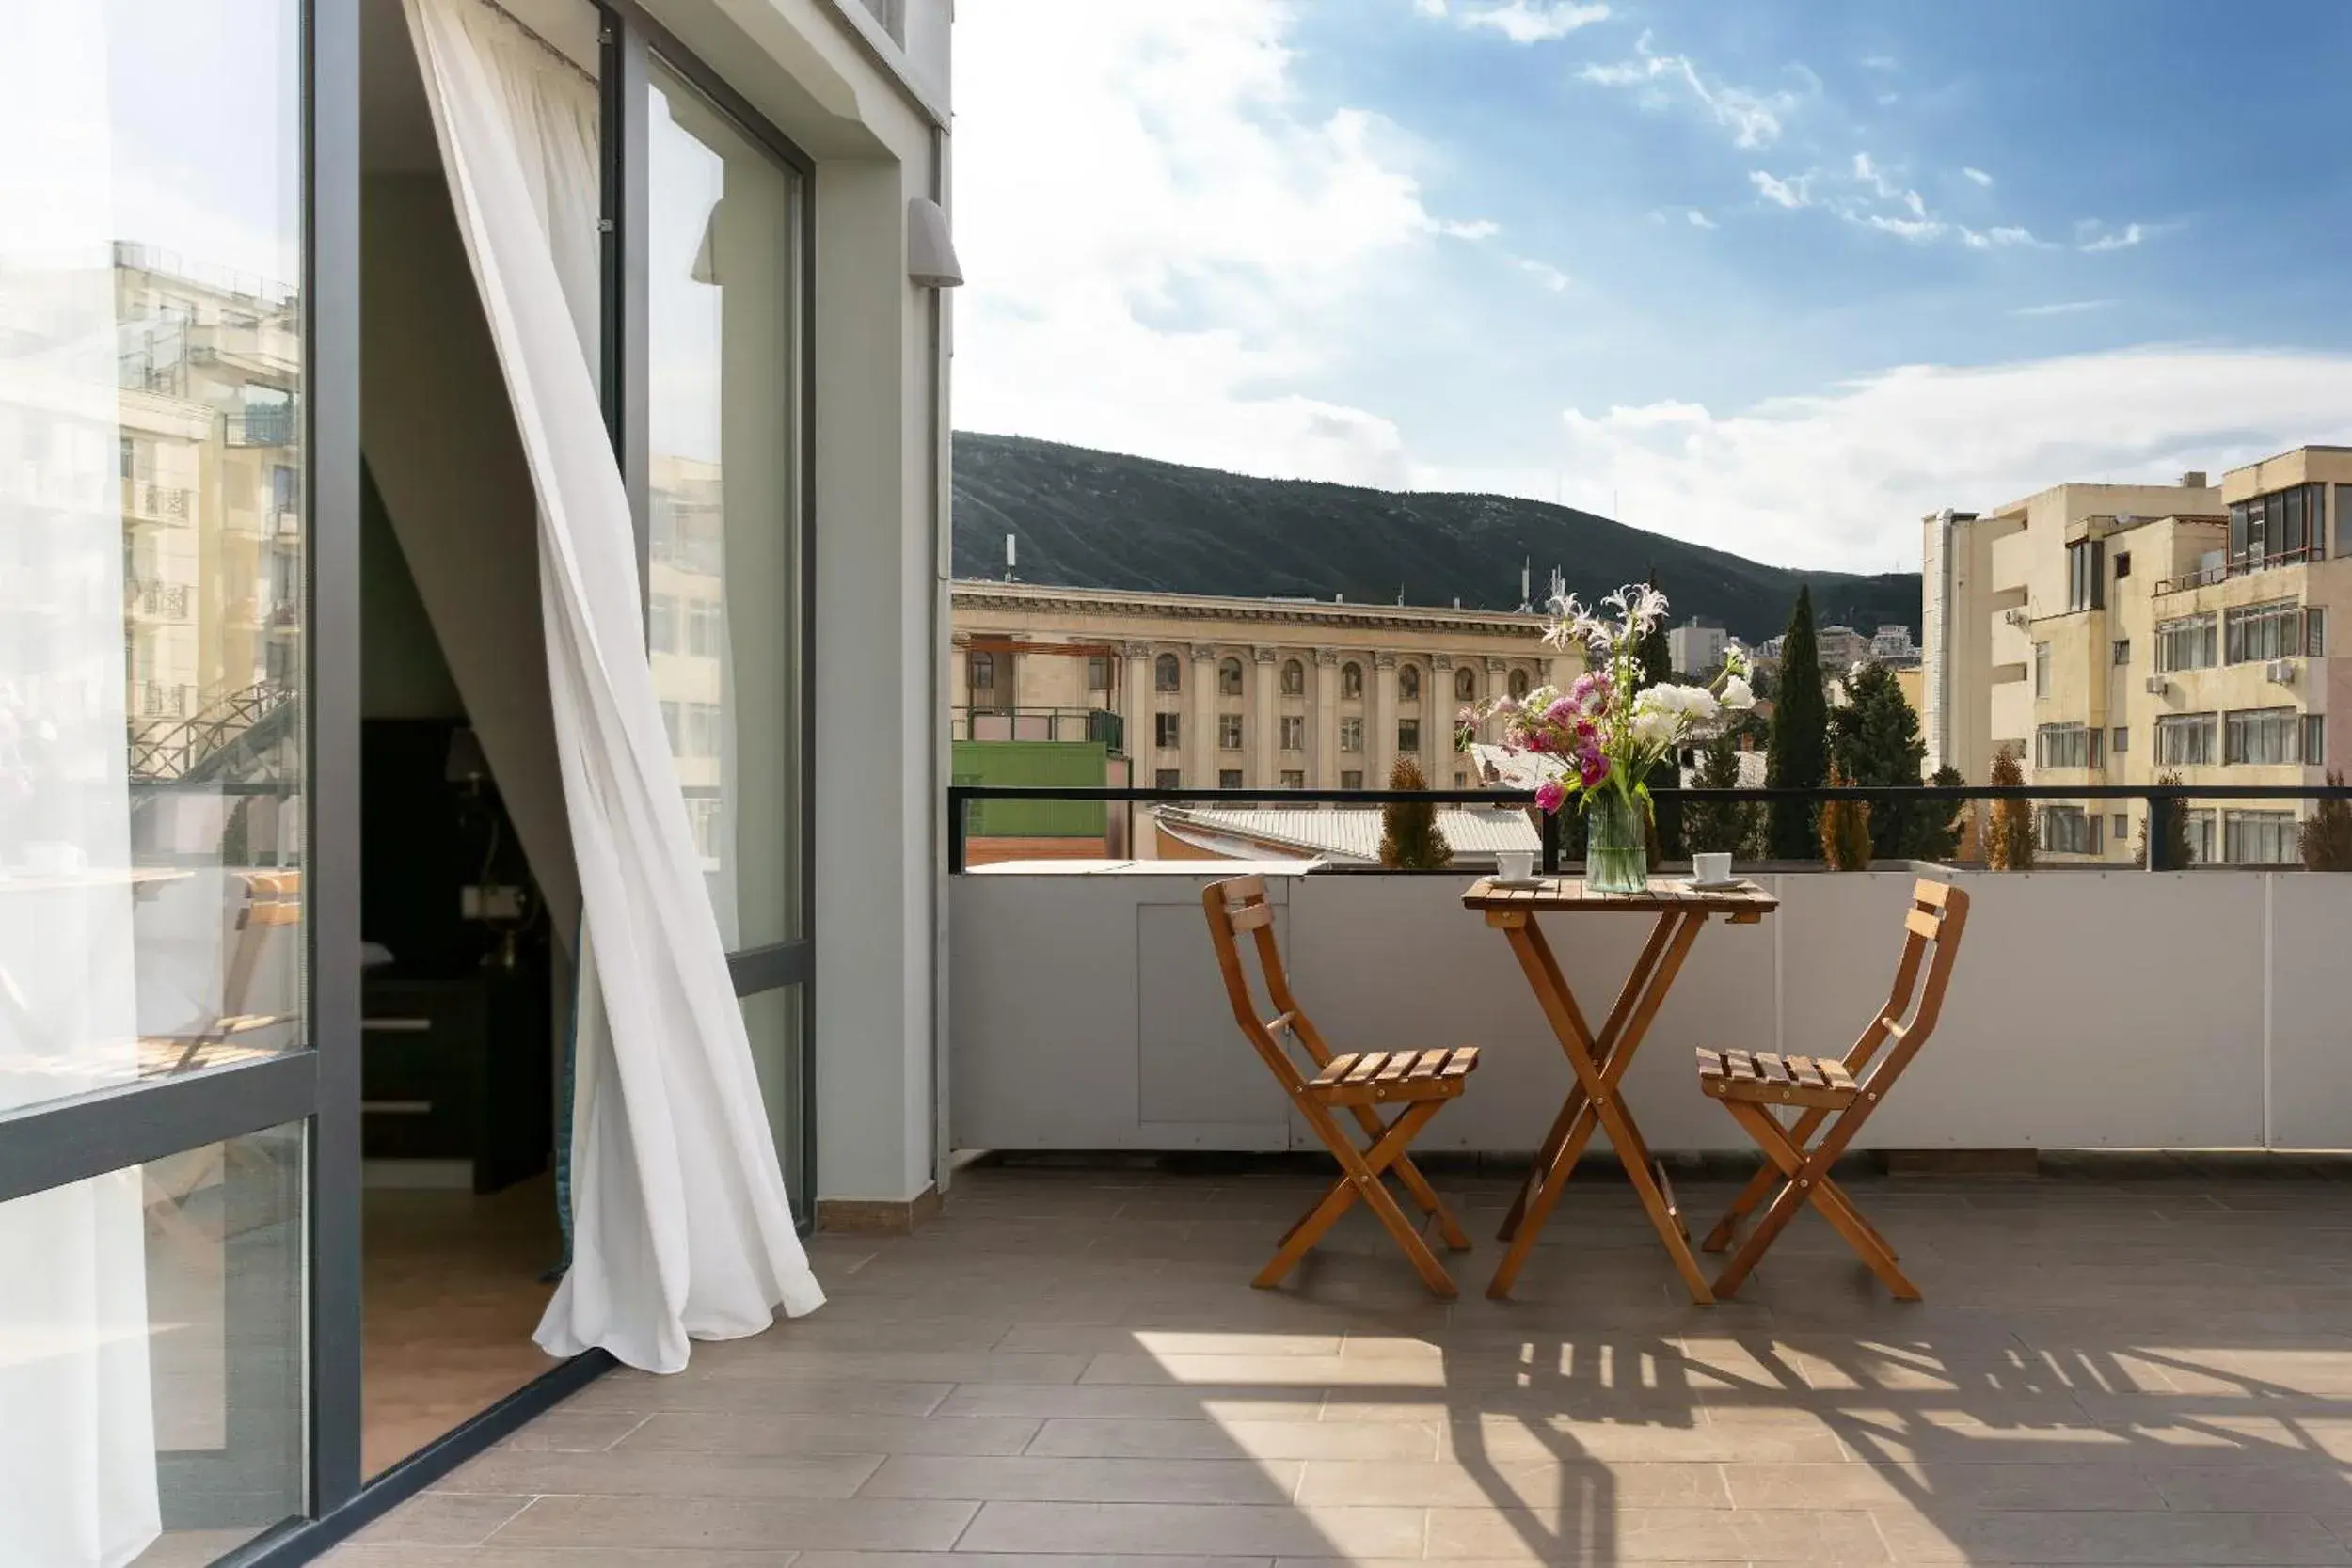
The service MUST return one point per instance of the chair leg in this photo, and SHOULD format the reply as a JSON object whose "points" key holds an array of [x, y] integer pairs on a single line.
{"points": [[1418, 1185], [1759, 1187], [1806, 1181], [1361, 1180]]}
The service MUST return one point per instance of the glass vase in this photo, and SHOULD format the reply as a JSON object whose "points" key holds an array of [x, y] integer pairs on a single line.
{"points": [[1616, 843]]}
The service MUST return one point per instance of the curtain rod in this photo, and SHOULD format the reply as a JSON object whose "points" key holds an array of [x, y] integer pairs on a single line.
{"points": [[535, 35]]}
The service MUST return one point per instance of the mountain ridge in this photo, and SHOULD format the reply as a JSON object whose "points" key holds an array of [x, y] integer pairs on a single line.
{"points": [[1107, 520]]}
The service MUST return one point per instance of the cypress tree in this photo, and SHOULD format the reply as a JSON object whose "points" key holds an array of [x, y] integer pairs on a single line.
{"points": [[1874, 739], [1411, 839], [1798, 757]]}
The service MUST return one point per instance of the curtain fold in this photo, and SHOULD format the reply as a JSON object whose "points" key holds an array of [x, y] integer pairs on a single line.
{"points": [[681, 1229], [78, 1486]]}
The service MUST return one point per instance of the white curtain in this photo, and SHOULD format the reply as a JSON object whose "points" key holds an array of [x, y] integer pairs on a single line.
{"points": [[681, 1227], [77, 1432]]}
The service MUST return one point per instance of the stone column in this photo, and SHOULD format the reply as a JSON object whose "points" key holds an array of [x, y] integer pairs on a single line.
{"points": [[1437, 703], [1495, 684], [1561, 668], [1201, 723], [1325, 758], [1264, 721], [959, 691], [1380, 721], [1135, 708]]}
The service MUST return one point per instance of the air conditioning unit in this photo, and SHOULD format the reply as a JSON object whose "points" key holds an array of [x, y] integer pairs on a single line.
{"points": [[2279, 671], [2159, 686], [2018, 616]]}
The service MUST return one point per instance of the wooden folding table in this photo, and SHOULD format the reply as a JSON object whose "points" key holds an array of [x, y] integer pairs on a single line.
{"points": [[1599, 1060]]}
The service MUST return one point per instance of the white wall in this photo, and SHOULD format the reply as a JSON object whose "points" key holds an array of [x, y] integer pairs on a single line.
{"points": [[2088, 1010]]}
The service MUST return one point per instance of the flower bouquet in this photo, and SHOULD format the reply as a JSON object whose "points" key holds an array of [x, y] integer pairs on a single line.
{"points": [[1608, 730]]}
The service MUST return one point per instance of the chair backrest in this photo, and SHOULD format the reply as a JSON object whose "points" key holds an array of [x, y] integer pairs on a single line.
{"points": [[1234, 906], [1933, 924]]}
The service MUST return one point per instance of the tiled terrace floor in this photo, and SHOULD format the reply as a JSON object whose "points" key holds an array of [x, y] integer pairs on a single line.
{"points": [[2116, 1363]]}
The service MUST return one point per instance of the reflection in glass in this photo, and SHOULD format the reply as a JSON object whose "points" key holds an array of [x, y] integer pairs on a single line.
{"points": [[152, 524], [151, 1352], [775, 1021], [724, 592]]}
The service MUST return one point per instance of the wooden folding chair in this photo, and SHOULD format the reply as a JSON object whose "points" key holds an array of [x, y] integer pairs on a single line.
{"points": [[1420, 1081], [272, 900], [1837, 1095]]}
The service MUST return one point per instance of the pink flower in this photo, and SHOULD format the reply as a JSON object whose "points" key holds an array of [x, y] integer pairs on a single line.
{"points": [[1591, 692], [1562, 711], [1585, 729], [1506, 704], [1590, 767], [1537, 741], [1467, 717], [1551, 795]]}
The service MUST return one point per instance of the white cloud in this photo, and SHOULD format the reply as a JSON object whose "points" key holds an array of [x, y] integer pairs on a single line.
{"points": [[1753, 118], [1522, 21], [1164, 247], [1841, 478], [1881, 62], [1918, 229], [1977, 175], [1795, 192], [2123, 239], [1545, 273], [2000, 237], [1699, 219], [2064, 307]]}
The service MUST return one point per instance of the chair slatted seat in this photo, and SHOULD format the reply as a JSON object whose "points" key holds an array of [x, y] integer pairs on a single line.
{"points": [[1834, 1097], [1351, 1083]]}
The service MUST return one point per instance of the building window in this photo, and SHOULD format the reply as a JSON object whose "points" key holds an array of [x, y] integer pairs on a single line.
{"points": [[1518, 683], [703, 628], [1293, 678], [1169, 778], [1465, 685], [2123, 565], [2119, 742], [1461, 780], [2260, 632], [1229, 732], [1351, 735], [1293, 778], [661, 623], [2314, 632], [2086, 586], [1229, 778], [2261, 737], [2274, 529], [2201, 837], [2119, 828], [2314, 741], [983, 668], [1098, 673], [2343, 507], [2123, 650], [673, 722], [1293, 733], [1352, 778], [2041, 668], [2189, 642], [2185, 740], [1229, 678], [1167, 674], [1167, 730], [1408, 734], [2069, 830], [2065, 746], [1408, 683], [1351, 679], [2259, 838]]}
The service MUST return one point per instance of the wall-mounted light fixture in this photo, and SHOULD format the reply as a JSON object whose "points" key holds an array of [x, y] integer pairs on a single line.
{"points": [[931, 252]]}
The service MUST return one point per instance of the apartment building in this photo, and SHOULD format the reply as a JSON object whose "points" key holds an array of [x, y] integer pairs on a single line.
{"points": [[1235, 693], [1697, 647], [2112, 634]]}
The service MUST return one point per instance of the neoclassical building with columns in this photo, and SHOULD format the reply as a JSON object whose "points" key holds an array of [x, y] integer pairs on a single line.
{"points": [[1238, 694]]}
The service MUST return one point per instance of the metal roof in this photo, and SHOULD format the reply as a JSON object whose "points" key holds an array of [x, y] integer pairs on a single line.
{"points": [[1353, 833]]}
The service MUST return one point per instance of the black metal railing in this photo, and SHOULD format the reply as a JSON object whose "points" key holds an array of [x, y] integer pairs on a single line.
{"points": [[2160, 801]]}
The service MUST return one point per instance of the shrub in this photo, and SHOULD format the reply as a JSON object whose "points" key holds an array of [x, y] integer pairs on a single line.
{"points": [[2327, 834], [2010, 846], [2175, 813], [1845, 829], [1411, 839]]}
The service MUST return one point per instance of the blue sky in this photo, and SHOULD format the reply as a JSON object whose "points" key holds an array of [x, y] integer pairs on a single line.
{"points": [[1778, 275]]}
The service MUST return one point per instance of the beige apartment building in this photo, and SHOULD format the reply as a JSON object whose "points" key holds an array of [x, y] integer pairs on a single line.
{"points": [[1240, 693], [2110, 634]]}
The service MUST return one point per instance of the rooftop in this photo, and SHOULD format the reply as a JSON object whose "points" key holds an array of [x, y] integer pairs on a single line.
{"points": [[2123, 1360], [1348, 833]]}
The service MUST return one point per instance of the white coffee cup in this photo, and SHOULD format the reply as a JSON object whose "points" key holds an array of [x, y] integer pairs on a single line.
{"points": [[1713, 865], [1514, 865]]}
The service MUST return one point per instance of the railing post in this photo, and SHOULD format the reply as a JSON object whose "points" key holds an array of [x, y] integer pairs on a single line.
{"points": [[1551, 832], [956, 806]]}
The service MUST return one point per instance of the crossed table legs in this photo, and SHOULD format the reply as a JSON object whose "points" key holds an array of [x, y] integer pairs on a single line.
{"points": [[1599, 1062]]}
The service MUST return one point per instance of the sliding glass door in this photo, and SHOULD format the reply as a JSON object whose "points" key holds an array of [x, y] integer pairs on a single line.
{"points": [[156, 1077], [726, 579]]}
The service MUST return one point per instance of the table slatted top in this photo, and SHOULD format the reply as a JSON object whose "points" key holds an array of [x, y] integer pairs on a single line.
{"points": [[1569, 893]]}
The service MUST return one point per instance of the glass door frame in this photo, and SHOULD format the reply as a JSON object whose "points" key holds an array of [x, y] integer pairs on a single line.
{"points": [[631, 41]]}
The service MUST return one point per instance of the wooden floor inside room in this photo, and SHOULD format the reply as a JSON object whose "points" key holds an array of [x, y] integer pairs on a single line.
{"points": [[453, 1290]]}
